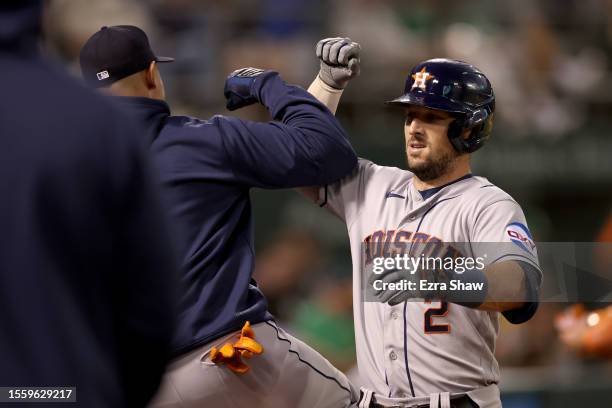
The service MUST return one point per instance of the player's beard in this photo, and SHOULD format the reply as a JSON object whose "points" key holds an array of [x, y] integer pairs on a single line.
{"points": [[433, 168]]}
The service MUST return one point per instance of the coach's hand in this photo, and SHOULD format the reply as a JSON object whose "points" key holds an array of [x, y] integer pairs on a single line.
{"points": [[239, 88], [339, 61]]}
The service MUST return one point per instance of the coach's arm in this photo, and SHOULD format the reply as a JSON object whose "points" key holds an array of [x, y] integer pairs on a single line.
{"points": [[304, 145]]}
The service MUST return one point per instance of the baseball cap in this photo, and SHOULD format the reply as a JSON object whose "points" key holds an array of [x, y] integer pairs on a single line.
{"points": [[114, 53]]}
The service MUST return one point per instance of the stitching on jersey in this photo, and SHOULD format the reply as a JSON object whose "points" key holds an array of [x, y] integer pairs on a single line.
{"points": [[387, 382], [428, 210], [307, 363], [406, 302], [406, 350]]}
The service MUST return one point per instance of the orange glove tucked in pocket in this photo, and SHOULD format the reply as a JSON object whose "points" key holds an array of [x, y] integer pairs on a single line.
{"points": [[231, 354]]}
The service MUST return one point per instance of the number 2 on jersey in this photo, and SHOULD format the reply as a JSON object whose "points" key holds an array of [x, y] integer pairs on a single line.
{"points": [[432, 313]]}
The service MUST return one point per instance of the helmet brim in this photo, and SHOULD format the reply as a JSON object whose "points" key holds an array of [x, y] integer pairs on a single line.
{"points": [[428, 100]]}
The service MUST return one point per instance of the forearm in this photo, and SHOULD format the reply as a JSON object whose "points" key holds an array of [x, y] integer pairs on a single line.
{"points": [[507, 287], [499, 287], [327, 95]]}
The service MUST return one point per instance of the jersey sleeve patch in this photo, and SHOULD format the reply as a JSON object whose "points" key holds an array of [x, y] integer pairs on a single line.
{"points": [[519, 234]]}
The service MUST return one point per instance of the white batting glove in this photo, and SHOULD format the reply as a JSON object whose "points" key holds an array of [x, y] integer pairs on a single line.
{"points": [[339, 61]]}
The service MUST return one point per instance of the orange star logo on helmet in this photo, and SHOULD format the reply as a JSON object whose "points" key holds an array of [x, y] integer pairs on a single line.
{"points": [[420, 79]]}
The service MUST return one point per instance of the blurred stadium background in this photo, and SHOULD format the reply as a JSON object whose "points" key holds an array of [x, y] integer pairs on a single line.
{"points": [[549, 62]]}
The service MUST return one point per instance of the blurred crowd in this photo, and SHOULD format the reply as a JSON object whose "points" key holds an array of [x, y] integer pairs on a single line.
{"points": [[549, 63]]}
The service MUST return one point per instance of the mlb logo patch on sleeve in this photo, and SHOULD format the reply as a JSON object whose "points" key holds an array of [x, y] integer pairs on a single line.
{"points": [[520, 235], [102, 75]]}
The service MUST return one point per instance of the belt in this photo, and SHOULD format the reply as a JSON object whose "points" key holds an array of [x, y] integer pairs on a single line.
{"points": [[443, 400], [462, 401]]}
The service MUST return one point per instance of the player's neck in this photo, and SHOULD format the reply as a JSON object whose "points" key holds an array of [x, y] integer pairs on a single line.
{"points": [[459, 170]]}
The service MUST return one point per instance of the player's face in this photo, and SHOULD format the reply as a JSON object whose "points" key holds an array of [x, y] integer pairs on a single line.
{"points": [[428, 150]]}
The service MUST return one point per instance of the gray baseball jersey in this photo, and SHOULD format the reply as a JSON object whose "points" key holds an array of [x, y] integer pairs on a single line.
{"points": [[418, 348]]}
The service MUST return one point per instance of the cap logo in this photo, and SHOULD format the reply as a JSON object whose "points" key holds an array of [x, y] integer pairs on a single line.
{"points": [[102, 75], [420, 79]]}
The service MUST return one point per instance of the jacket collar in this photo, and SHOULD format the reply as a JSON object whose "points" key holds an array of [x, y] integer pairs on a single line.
{"points": [[151, 113], [141, 103]]}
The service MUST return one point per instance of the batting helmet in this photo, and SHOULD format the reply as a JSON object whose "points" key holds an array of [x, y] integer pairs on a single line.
{"points": [[455, 87]]}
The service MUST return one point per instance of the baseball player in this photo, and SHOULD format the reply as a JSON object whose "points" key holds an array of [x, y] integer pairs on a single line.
{"points": [[228, 350], [432, 348]]}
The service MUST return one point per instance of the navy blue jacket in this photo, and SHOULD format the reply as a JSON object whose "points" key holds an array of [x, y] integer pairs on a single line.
{"points": [[86, 275], [207, 168]]}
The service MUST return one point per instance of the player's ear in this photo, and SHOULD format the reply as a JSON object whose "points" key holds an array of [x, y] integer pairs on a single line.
{"points": [[150, 76]]}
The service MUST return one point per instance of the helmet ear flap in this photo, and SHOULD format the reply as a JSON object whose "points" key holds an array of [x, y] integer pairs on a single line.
{"points": [[455, 130], [479, 122], [476, 118]]}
